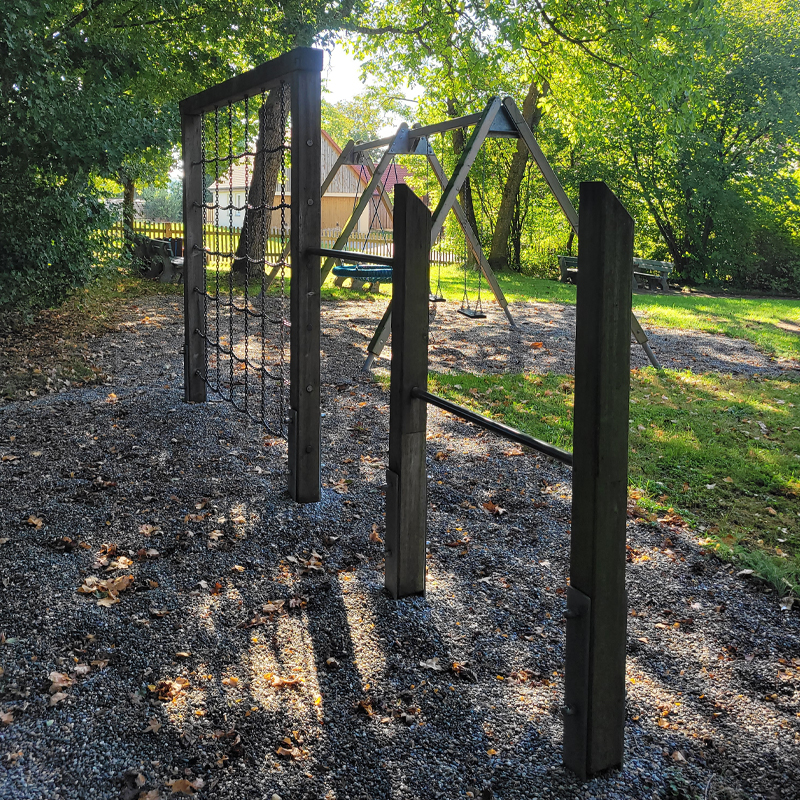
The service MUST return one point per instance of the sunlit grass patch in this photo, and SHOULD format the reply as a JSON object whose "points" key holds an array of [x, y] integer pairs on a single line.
{"points": [[721, 451]]}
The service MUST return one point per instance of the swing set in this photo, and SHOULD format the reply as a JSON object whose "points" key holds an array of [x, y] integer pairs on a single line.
{"points": [[500, 118]]}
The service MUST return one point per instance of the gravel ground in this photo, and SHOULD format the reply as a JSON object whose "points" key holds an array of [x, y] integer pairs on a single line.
{"points": [[254, 653]]}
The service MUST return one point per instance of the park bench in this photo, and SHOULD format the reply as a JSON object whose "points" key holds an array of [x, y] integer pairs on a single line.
{"points": [[651, 274], [157, 259], [646, 272]]}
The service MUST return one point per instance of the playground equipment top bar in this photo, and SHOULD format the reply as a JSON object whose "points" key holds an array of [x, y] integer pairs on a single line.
{"points": [[266, 76], [427, 130]]}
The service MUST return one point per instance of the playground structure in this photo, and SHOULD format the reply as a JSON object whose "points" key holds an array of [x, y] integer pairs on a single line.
{"points": [[500, 118], [260, 354], [220, 319]]}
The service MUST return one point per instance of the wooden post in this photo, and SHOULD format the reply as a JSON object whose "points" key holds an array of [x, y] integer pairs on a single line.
{"points": [[304, 301], [406, 479], [194, 358], [594, 710]]}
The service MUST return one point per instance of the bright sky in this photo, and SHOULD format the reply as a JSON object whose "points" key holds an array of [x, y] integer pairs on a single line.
{"points": [[340, 76], [341, 81]]}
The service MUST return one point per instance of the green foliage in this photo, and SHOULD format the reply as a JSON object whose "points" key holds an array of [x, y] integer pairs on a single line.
{"points": [[361, 118], [67, 116], [163, 202]]}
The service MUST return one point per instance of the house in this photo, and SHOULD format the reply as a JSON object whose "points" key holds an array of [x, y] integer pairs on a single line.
{"points": [[338, 201]]}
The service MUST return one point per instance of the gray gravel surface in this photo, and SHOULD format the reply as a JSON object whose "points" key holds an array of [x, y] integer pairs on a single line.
{"points": [[253, 624]]}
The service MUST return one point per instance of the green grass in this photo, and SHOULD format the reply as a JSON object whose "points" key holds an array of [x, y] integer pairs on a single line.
{"points": [[772, 324], [696, 448]]}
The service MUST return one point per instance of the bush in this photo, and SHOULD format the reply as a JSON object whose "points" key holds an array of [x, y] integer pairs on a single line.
{"points": [[48, 241]]}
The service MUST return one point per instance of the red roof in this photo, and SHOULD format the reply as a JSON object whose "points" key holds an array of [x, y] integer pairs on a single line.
{"points": [[394, 175]]}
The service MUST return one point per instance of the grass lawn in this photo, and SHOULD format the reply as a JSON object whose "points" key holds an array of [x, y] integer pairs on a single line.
{"points": [[721, 451], [773, 324]]}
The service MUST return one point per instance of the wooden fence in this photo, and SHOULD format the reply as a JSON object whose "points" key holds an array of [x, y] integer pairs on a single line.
{"points": [[378, 243]]}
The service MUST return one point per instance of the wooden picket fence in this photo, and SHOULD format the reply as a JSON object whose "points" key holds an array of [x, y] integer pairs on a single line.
{"points": [[378, 243]]}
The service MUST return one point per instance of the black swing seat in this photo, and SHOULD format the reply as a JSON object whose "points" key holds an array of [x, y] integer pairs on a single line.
{"points": [[368, 273], [472, 313]]}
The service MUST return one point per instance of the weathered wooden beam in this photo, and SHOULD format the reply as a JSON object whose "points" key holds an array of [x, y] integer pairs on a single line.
{"points": [[263, 77], [594, 711], [304, 296], [406, 477], [194, 351], [465, 162]]}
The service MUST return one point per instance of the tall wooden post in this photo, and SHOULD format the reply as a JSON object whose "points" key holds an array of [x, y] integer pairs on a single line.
{"points": [[406, 479], [304, 301], [594, 710], [194, 358]]}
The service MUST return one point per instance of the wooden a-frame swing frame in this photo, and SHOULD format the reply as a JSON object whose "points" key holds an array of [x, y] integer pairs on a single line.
{"points": [[500, 118]]}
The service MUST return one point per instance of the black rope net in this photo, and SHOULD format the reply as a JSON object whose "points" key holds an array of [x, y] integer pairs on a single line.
{"points": [[245, 162]]}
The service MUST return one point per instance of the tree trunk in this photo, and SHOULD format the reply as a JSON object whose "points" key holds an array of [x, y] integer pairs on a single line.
{"points": [[252, 247], [498, 256], [128, 211]]}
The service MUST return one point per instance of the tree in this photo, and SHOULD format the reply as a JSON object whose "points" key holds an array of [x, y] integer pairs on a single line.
{"points": [[89, 91]]}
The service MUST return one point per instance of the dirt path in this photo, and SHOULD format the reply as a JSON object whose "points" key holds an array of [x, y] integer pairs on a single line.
{"points": [[254, 652]]}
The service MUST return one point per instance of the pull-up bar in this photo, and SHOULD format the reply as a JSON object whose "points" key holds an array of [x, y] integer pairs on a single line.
{"points": [[507, 432]]}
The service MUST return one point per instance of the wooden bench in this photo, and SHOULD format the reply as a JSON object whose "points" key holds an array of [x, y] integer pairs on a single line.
{"points": [[652, 274], [646, 272], [157, 260], [569, 269]]}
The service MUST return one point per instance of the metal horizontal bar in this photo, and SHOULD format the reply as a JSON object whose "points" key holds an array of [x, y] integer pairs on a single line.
{"points": [[349, 255], [507, 432], [263, 77]]}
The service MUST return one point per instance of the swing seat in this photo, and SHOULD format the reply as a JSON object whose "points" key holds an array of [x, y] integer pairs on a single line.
{"points": [[369, 273], [472, 313]]}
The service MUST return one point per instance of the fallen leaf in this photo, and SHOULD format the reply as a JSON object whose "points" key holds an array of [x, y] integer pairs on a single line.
{"points": [[6, 717], [278, 682], [787, 603], [537, 345], [57, 698], [493, 509], [432, 663], [181, 786], [772, 511], [37, 522], [153, 726], [59, 680], [375, 536]]}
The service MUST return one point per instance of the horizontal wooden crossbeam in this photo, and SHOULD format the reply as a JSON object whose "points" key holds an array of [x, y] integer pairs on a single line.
{"points": [[264, 77]]}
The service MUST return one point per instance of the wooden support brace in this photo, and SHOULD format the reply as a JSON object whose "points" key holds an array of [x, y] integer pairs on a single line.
{"points": [[406, 478], [194, 351], [594, 710], [304, 299]]}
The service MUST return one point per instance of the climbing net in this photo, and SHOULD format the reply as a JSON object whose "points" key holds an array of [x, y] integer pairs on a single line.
{"points": [[245, 159]]}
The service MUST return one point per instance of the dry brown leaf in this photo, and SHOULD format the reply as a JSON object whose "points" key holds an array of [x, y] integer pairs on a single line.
{"points": [[59, 680], [375, 536], [537, 345], [493, 509], [58, 697], [37, 522], [6, 717], [181, 786], [153, 726], [278, 682]]}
